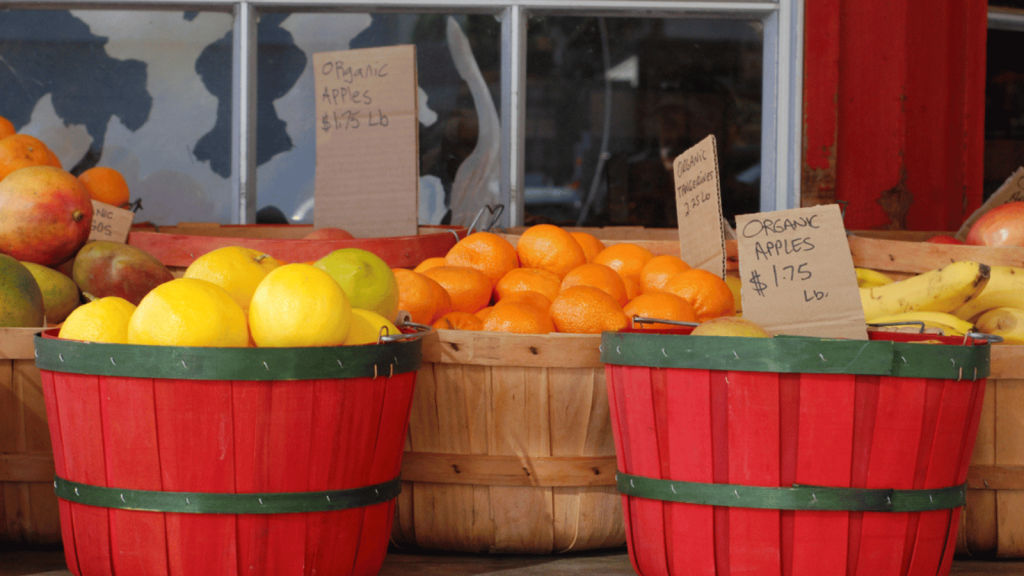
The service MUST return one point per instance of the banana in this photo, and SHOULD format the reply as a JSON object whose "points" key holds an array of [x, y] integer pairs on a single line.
{"points": [[988, 300], [1005, 322], [942, 290], [868, 278], [1005, 278], [949, 324]]}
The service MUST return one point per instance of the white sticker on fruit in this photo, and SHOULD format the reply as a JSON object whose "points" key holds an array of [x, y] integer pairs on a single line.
{"points": [[798, 275], [110, 223]]}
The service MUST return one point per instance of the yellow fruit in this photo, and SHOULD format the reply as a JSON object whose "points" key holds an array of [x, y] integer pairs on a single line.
{"points": [[368, 327], [103, 320], [366, 279], [730, 326], [735, 285], [60, 293], [299, 305], [234, 268], [188, 312]]}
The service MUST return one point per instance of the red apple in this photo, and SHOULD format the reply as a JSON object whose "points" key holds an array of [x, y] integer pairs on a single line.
{"points": [[1000, 226], [942, 239], [328, 234]]}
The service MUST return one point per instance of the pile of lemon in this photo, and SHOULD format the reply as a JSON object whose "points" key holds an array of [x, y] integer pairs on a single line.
{"points": [[240, 297]]}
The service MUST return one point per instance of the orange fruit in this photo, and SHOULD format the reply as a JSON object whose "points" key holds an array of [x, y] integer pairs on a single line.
{"points": [[469, 288], [21, 151], [590, 244], [587, 310], [627, 259], [486, 252], [598, 276], [415, 295], [633, 288], [550, 248], [533, 279], [709, 295], [535, 299], [518, 318], [658, 270], [459, 321], [483, 313], [6, 128], [660, 305], [430, 263], [442, 300], [105, 185]]}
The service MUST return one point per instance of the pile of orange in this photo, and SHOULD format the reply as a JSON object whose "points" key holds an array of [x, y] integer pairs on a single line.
{"points": [[554, 280]]}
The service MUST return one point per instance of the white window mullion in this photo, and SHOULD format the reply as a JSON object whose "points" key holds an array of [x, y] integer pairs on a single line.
{"points": [[513, 113], [243, 114]]}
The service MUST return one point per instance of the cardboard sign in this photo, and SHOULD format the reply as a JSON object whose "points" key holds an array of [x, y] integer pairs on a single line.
{"points": [[1011, 191], [367, 143], [797, 273], [699, 207], [110, 222]]}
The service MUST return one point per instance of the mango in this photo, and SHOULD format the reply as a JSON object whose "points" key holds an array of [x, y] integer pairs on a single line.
{"points": [[104, 268], [21, 300], [60, 293], [45, 215]]}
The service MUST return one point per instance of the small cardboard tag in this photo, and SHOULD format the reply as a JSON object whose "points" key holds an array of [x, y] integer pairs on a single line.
{"points": [[1011, 191], [699, 207], [110, 222], [797, 272], [367, 143]]}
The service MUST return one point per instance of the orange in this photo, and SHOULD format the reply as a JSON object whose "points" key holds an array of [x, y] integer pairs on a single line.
{"points": [[459, 321], [105, 185], [535, 299], [518, 318], [6, 127], [486, 252], [709, 295], [534, 279], [430, 263], [660, 305], [21, 151], [415, 295], [633, 288], [587, 310], [469, 288], [483, 313], [550, 248], [590, 244], [598, 276], [627, 259], [658, 270], [442, 300]]}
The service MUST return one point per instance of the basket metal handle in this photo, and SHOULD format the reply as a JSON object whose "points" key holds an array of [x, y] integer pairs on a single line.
{"points": [[642, 320]]}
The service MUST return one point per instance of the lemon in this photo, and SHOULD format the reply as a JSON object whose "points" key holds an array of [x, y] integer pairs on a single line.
{"points": [[368, 327], [189, 312], [102, 320], [366, 279], [299, 305], [237, 269]]}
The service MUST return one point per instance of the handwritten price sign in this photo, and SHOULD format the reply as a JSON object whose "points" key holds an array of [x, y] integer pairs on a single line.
{"points": [[797, 273], [699, 207], [110, 223]]}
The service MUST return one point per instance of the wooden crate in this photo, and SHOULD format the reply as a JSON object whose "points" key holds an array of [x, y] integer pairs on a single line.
{"points": [[28, 507], [510, 447]]}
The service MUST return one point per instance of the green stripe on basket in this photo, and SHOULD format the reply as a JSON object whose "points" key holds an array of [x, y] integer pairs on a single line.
{"points": [[209, 503], [194, 363], [795, 498], [796, 354]]}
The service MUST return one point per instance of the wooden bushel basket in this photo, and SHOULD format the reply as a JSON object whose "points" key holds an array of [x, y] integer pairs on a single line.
{"points": [[510, 447], [224, 461], [793, 455], [28, 506]]}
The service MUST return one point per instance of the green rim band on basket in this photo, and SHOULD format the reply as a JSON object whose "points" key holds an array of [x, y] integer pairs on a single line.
{"points": [[796, 498], [210, 503], [796, 354], [194, 363]]}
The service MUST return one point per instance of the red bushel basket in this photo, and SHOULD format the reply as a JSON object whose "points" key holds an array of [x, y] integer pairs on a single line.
{"points": [[793, 455], [181, 461]]}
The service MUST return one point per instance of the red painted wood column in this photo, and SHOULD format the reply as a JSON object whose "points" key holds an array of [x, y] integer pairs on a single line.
{"points": [[894, 102]]}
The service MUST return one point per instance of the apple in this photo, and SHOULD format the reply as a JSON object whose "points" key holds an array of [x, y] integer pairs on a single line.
{"points": [[328, 234], [730, 326], [1000, 226], [943, 239]]}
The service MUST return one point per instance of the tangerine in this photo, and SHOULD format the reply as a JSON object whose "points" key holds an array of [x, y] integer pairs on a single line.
{"points": [[105, 185], [442, 300], [486, 252], [21, 151], [459, 321], [550, 248], [415, 295], [658, 270], [430, 263], [518, 318], [587, 310], [590, 244], [535, 299], [469, 288], [627, 259], [598, 276], [661, 305], [6, 128], [534, 279], [709, 295]]}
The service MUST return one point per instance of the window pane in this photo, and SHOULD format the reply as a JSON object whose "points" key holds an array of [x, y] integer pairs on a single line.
{"points": [[146, 93], [673, 82], [286, 131], [1004, 108]]}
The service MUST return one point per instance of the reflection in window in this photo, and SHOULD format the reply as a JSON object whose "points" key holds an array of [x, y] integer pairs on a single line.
{"points": [[672, 83], [1004, 107]]}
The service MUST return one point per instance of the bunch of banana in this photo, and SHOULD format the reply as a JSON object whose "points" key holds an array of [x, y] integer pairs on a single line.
{"points": [[941, 290], [868, 278], [1005, 322], [949, 325], [1005, 289]]}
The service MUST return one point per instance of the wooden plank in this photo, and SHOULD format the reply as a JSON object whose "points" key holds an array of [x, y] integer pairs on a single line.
{"points": [[516, 350], [17, 343], [1006, 363], [979, 529], [1009, 451], [26, 468], [916, 257]]}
